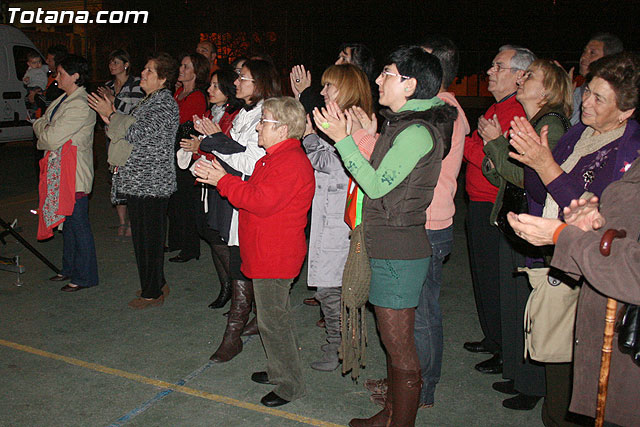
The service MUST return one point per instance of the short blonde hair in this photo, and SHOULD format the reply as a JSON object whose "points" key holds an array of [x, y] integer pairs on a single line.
{"points": [[558, 87], [352, 84], [289, 112]]}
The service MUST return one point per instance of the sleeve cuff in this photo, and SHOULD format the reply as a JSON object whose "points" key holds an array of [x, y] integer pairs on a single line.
{"points": [[556, 234]]}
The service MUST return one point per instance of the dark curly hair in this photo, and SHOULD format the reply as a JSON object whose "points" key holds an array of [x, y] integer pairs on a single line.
{"points": [[166, 68], [622, 72]]}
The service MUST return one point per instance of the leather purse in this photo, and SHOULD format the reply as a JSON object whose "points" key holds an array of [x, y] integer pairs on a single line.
{"points": [[628, 328], [628, 324], [514, 200]]}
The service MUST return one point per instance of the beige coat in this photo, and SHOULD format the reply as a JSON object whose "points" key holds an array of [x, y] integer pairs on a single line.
{"points": [[74, 121], [616, 276]]}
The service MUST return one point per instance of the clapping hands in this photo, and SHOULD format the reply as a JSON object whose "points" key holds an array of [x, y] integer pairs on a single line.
{"points": [[205, 125], [332, 121]]}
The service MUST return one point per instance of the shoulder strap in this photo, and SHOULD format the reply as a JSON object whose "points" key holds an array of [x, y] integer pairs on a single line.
{"points": [[563, 119]]}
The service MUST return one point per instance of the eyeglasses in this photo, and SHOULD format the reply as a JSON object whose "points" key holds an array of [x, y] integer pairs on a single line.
{"points": [[237, 70], [385, 72], [499, 67], [263, 121], [249, 79]]}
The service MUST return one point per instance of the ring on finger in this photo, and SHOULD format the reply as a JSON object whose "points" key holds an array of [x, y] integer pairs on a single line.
{"points": [[523, 153]]}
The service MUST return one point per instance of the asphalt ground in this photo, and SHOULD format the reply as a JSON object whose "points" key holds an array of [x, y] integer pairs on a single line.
{"points": [[86, 359]]}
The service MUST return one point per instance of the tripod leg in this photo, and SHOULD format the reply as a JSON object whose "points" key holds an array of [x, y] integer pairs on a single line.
{"points": [[27, 245]]}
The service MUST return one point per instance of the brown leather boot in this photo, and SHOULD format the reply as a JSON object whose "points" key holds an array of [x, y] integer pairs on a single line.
{"points": [[241, 299], [382, 418], [405, 386], [251, 328]]}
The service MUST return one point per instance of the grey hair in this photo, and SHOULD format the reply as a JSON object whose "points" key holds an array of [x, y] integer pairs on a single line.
{"points": [[289, 112], [611, 43], [521, 59]]}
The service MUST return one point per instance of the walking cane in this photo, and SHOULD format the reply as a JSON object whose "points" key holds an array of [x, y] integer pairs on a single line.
{"points": [[610, 318]]}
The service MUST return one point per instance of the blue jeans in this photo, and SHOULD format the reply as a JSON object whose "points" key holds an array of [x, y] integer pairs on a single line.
{"points": [[79, 260], [428, 325]]}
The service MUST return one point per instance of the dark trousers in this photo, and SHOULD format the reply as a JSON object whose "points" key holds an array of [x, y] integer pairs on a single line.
{"points": [[484, 257], [79, 260], [555, 409], [148, 217], [528, 376], [183, 207]]}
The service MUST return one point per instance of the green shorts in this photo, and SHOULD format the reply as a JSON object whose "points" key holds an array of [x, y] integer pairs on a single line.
{"points": [[397, 283]]}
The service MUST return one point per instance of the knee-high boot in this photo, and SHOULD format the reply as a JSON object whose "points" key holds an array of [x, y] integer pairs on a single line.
{"points": [[405, 387], [220, 255], [382, 418], [251, 328], [241, 299]]}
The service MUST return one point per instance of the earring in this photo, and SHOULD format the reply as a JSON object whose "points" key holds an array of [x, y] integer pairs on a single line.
{"points": [[406, 89]]}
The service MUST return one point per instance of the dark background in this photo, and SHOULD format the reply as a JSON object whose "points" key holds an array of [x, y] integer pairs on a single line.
{"points": [[310, 32]]}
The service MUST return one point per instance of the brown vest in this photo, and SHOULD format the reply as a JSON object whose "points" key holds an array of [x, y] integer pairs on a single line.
{"points": [[394, 224]]}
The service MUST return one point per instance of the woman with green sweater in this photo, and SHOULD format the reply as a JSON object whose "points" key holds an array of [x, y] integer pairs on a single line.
{"points": [[545, 94], [398, 183]]}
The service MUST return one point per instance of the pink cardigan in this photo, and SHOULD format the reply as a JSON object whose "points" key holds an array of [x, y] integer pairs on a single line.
{"points": [[440, 212]]}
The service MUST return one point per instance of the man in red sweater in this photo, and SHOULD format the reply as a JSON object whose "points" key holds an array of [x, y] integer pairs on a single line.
{"points": [[484, 239]]}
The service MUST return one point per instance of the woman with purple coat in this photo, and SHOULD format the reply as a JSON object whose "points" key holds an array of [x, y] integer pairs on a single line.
{"points": [[589, 157]]}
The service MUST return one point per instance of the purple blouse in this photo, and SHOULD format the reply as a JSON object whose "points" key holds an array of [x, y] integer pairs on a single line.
{"points": [[592, 172]]}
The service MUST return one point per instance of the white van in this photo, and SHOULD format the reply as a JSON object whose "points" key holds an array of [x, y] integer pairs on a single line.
{"points": [[14, 46]]}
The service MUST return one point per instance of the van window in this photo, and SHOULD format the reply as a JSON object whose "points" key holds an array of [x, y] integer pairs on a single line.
{"points": [[20, 58]]}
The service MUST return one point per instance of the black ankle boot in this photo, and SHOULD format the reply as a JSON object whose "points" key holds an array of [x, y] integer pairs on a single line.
{"points": [[223, 297]]}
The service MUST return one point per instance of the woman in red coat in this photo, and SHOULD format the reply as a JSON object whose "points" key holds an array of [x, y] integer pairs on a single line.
{"points": [[273, 207]]}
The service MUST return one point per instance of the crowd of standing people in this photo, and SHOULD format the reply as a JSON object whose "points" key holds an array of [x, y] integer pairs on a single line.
{"points": [[198, 151]]}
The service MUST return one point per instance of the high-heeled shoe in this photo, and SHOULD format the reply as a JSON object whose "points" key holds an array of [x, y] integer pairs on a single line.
{"points": [[223, 297], [180, 258]]}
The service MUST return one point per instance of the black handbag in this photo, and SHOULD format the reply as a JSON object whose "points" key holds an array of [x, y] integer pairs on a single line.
{"points": [[514, 200], [628, 323], [628, 327]]}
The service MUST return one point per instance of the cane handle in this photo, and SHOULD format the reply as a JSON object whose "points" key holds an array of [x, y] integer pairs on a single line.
{"points": [[607, 240]]}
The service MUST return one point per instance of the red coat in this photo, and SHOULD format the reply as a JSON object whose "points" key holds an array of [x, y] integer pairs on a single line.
{"points": [[273, 207], [477, 186]]}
